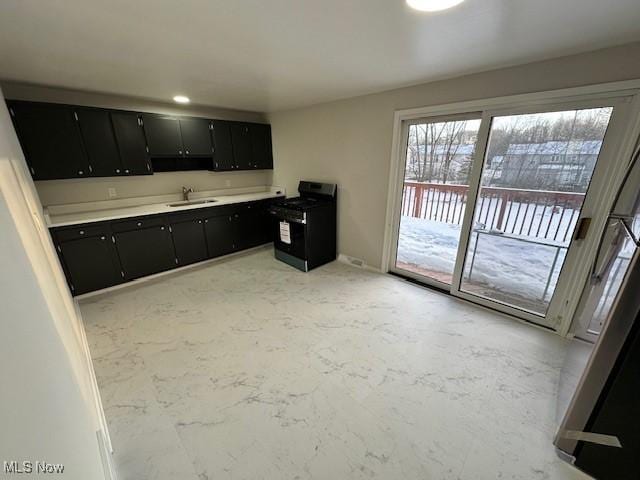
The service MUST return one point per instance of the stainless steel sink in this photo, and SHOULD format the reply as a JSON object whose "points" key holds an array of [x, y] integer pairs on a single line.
{"points": [[190, 202]]}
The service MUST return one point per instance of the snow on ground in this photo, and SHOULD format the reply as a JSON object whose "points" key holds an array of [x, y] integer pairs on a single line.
{"points": [[505, 266]]}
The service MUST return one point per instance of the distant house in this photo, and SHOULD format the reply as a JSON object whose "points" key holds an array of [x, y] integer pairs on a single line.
{"points": [[556, 165], [458, 156]]}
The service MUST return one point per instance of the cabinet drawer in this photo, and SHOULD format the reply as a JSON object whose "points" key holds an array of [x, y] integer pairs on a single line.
{"points": [[138, 223], [196, 214], [80, 231], [221, 211]]}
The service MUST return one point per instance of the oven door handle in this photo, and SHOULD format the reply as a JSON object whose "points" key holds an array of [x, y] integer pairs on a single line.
{"points": [[279, 216]]}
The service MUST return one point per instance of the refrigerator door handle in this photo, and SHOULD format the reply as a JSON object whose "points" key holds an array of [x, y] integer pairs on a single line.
{"points": [[598, 274]]}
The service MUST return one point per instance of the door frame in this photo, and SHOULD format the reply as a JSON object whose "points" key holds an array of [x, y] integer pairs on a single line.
{"points": [[620, 147]]}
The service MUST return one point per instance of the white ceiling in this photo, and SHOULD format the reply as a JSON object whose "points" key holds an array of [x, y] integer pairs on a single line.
{"points": [[270, 55]]}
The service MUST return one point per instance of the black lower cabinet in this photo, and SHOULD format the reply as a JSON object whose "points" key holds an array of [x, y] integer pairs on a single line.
{"points": [[145, 251], [245, 233], [90, 263], [103, 254], [189, 241], [219, 235]]}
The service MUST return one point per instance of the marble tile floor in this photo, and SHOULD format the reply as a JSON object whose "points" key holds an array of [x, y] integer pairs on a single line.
{"points": [[249, 369]]}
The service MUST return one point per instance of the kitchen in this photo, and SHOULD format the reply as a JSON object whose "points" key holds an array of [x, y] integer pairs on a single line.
{"points": [[217, 265]]}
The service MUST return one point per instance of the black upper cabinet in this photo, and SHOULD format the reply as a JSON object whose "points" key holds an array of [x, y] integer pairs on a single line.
{"points": [[196, 137], [261, 146], [222, 146], [132, 143], [163, 135], [241, 139], [62, 141], [189, 241], [99, 142], [50, 138]]}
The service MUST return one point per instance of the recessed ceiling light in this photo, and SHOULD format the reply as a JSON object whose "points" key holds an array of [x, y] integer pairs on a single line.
{"points": [[181, 99], [432, 5]]}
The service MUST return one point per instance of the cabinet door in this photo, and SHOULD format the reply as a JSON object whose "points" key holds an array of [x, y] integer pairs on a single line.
{"points": [[241, 139], [189, 241], [50, 139], [219, 232], [196, 137], [262, 154], [250, 228], [222, 146], [145, 251], [132, 143], [90, 263], [163, 135], [99, 142]]}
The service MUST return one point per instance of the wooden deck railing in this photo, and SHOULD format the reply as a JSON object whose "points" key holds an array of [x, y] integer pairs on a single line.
{"points": [[533, 213]]}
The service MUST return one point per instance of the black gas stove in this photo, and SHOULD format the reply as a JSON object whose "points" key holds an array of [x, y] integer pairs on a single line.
{"points": [[305, 226]]}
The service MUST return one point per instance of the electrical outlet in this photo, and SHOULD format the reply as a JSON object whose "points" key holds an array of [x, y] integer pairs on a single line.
{"points": [[112, 192]]}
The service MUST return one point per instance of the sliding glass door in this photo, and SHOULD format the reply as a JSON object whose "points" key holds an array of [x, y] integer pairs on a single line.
{"points": [[535, 176], [434, 195], [491, 205]]}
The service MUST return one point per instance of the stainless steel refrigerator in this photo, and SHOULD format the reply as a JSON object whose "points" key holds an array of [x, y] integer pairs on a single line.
{"points": [[599, 391]]}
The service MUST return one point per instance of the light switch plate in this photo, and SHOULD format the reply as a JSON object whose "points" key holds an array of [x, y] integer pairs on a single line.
{"points": [[112, 193]]}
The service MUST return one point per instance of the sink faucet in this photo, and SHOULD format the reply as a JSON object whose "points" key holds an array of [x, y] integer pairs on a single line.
{"points": [[185, 193]]}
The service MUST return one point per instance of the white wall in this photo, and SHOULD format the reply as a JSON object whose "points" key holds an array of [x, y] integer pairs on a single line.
{"points": [[57, 192], [47, 407], [349, 141]]}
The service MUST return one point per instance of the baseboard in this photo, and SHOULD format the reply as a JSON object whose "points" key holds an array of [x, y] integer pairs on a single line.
{"points": [[106, 456]]}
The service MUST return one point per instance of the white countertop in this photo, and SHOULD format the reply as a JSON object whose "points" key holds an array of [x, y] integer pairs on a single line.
{"points": [[61, 220]]}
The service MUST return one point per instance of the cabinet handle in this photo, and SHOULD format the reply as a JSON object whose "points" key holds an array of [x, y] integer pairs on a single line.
{"points": [[103, 238], [80, 172], [126, 171], [81, 232], [117, 170], [180, 152], [187, 152], [139, 224], [199, 221]]}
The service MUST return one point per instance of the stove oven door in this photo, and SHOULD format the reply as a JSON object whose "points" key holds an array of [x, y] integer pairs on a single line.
{"points": [[289, 237]]}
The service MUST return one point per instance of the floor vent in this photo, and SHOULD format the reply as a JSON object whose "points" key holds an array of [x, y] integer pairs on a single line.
{"points": [[356, 262]]}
